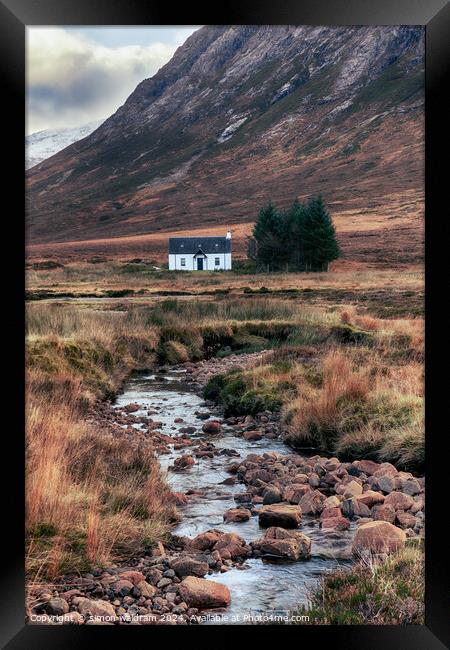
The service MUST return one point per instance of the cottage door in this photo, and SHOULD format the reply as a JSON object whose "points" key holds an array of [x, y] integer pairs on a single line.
{"points": [[199, 263]]}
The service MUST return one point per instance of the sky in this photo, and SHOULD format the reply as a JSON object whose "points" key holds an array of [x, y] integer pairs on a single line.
{"points": [[79, 74]]}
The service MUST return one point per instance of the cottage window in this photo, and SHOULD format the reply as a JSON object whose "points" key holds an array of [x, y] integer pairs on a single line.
{"points": [[183, 261], [217, 261]]}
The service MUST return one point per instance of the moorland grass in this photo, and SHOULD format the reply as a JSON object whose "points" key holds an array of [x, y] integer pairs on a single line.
{"points": [[375, 591], [90, 498], [354, 395]]}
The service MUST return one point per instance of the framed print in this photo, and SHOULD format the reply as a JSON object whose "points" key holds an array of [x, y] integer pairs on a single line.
{"points": [[225, 252]]}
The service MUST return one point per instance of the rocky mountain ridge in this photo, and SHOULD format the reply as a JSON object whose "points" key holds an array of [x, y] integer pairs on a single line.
{"points": [[241, 115]]}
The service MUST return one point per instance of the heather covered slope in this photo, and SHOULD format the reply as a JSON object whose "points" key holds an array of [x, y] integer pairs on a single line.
{"points": [[238, 116]]}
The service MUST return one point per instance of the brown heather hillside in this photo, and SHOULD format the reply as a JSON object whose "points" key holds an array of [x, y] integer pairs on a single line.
{"points": [[241, 115]]}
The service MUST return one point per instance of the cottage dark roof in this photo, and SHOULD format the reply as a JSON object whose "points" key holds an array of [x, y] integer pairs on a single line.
{"points": [[190, 245]]}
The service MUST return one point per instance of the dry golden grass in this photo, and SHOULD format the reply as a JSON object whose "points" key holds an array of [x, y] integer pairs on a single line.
{"points": [[362, 292], [120, 274], [366, 405], [91, 498]]}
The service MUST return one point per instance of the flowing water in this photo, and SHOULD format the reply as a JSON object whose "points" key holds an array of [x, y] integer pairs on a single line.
{"points": [[260, 586]]}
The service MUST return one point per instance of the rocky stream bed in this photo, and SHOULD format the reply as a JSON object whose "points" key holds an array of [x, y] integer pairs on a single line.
{"points": [[259, 524]]}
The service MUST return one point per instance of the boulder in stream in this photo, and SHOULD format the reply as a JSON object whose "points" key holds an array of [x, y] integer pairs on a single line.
{"points": [[236, 515], [204, 594], [282, 543], [212, 426], [378, 537], [280, 514]]}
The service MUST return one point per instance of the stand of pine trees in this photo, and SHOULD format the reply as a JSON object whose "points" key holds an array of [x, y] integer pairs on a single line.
{"points": [[302, 238]]}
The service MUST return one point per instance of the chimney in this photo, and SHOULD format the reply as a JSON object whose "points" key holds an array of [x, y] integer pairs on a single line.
{"points": [[229, 234]]}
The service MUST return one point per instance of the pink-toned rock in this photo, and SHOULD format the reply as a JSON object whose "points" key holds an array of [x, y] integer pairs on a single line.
{"points": [[188, 566], [131, 408], [67, 595], [369, 467], [158, 550], [232, 468], [371, 498], [212, 426], [231, 546], [312, 502], [133, 576], [332, 464], [378, 537], [314, 480], [205, 541], [293, 493], [183, 462], [122, 587], [405, 519], [335, 523], [363, 520], [417, 506], [388, 484], [204, 594], [355, 508], [300, 479], [386, 469], [56, 606], [272, 495], [280, 514], [330, 512], [411, 486], [288, 544], [383, 513], [147, 590], [331, 478], [179, 443], [331, 502], [237, 515], [352, 489], [253, 436], [399, 501]]}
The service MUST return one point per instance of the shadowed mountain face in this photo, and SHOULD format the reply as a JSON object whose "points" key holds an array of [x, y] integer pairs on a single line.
{"points": [[241, 115]]}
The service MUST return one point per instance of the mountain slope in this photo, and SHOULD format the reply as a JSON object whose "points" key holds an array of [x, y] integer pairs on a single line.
{"points": [[43, 144], [241, 115]]}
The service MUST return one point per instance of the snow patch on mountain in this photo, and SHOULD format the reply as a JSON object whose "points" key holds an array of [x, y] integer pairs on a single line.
{"points": [[231, 129], [43, 144]]}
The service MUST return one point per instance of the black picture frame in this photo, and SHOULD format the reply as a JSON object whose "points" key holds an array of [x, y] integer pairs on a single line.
{"points": [[15, 15]]}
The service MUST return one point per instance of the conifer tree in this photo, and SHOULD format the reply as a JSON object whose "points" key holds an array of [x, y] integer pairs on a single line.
{"points": [[318, 235], [294, 235], [268, 238], [301, 238]]}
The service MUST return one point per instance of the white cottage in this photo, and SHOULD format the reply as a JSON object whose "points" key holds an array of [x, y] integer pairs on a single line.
{"points": [[200, 253]]}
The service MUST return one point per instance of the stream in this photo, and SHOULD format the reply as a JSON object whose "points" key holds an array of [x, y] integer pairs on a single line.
{"points": [[258, 586]]}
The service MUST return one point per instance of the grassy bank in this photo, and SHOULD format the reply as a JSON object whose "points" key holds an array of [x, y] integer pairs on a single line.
{"points": [[90, 498], [373, 592], [353, 388]]}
